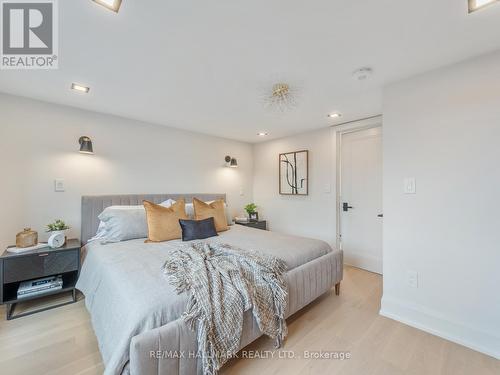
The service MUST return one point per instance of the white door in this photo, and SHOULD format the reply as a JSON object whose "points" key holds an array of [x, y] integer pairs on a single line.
{"points": [[361, 198]]}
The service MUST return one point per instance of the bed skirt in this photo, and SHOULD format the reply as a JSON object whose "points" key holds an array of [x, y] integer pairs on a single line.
{"points": [[172, 348]]}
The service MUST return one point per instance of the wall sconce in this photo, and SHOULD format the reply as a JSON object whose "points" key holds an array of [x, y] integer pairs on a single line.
{"points": [[231, 162], [86, 145]]}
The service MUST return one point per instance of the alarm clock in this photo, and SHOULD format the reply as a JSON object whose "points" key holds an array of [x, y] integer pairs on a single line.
{"points": [[57, 240]]}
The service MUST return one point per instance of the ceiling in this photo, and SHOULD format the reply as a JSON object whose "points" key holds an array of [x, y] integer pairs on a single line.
{"points": [[207, 66]]}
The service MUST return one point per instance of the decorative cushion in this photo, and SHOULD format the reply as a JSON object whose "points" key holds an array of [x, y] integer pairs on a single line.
{"points": [[197, 229], [163, 222], [122, 223], [215, 209], [190, 211]]}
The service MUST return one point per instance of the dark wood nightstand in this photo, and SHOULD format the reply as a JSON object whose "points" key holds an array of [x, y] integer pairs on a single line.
{"points": [[262, 224], [16, 268]]}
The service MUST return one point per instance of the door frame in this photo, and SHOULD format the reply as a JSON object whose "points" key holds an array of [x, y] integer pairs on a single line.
{"points": [[339, 131]]}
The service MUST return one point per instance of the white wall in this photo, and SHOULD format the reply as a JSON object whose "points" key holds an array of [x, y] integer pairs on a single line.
{"points": [[444, 129], [313, 215], [39, 142]]}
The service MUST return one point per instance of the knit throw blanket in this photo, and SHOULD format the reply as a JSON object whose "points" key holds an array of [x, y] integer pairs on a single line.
{"points": [[223, 282]]}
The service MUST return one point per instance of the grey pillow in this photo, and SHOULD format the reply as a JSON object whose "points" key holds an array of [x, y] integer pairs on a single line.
{"points": [[122, 223]]}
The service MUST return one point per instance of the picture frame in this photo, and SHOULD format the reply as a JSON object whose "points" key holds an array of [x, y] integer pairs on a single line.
{"points": [[294, 173], [254, 216]]}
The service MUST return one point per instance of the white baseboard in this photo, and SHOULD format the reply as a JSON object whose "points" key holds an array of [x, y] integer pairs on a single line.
{"points": [[364, 261], [421, 318]]}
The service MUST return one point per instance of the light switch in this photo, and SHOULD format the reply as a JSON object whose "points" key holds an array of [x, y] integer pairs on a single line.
{"points": [[410, 185], [59, 185]]}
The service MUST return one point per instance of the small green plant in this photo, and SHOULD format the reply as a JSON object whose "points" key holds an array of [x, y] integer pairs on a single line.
{"points": [[251, 208], [57, 225]]}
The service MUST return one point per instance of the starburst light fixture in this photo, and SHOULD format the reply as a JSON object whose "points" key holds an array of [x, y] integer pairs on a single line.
{"points": [[281, 97]]}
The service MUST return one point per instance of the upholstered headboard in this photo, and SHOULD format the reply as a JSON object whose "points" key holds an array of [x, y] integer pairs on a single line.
{"points": [[92, 206]]}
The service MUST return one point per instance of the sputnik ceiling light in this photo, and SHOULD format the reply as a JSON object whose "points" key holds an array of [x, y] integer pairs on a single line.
{"points": [[282, 97]]}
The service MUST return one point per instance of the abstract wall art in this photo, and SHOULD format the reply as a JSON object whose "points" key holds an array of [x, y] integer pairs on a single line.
{"points": [[293, 173]]}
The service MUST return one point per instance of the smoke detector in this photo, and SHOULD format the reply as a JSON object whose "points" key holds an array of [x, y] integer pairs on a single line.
{"points": [[362, 74]]}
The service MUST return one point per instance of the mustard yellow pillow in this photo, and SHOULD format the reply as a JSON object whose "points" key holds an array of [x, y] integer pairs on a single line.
{"points": [[215, 209], [163, 222]]}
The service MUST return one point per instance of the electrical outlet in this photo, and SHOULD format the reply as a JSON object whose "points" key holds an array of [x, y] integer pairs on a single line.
{"points": [[410, 185], [412, 279], [59, 185]]}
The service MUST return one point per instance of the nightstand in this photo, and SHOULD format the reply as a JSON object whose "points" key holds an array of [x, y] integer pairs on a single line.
{"points": [[262, 224], [16, 268]]}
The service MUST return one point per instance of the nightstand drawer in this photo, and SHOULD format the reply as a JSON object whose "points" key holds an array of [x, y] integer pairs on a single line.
{"points": [[39, 265], [262, 224]]}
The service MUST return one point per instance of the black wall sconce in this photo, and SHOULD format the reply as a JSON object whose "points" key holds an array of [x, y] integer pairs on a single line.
{"points": [[231, 162], [86, 145]]}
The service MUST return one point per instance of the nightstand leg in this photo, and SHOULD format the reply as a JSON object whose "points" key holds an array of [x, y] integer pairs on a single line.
{"points": [[9, 311]]}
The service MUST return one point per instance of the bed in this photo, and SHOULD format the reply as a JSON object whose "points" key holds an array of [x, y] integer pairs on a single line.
{"points": [[136, 313]]}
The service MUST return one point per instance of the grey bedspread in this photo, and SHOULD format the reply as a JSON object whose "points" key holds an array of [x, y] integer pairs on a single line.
{"points": [[126, 293]]}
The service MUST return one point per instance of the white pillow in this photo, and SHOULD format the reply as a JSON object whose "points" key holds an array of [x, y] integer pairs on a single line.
{"points": [[101, 232], [121, 223], [190, 211]]}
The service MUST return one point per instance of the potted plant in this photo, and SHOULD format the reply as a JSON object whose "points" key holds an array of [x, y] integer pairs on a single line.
{"points": [[56, 227], [251, 210]]}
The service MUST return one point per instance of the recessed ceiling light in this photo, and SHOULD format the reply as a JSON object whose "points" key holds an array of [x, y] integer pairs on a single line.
{"points": [[113, 5], [479, 4], [80, 88], [262, 134], [335, 115]]}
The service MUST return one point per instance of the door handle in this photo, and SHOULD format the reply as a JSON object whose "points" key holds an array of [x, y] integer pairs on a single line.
{"points": [[345, 206], [380, 215]]}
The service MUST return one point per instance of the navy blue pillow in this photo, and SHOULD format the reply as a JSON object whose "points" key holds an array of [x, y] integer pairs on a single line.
{"points": [[197, 229]]}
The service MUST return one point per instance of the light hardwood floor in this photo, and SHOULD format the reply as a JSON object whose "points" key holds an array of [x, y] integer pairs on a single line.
{"points": [[61, 341]]}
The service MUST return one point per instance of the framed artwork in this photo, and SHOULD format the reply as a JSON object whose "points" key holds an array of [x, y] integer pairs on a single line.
{"points": [[254, 216], [294, 173]]}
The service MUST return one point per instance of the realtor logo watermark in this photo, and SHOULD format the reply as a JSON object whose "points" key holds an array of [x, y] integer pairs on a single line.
{"points": [[29, 34]]}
